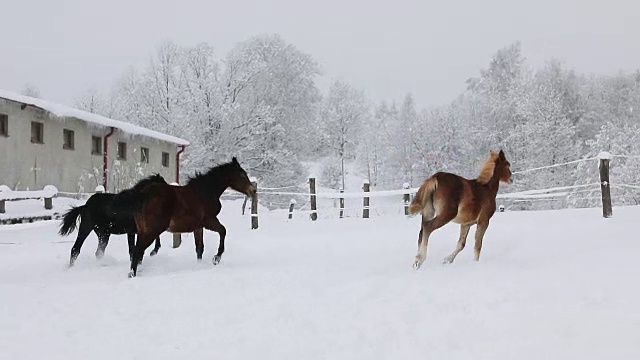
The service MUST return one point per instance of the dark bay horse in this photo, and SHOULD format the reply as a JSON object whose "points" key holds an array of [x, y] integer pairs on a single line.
{"points": [[446, 197], [97, 215], [189, 208]]}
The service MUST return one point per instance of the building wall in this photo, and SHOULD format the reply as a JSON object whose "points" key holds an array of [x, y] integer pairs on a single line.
{"points": [[76, 170], [122, 171]]}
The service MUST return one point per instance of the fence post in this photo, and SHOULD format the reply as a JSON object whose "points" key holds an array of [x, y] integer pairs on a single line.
{"points": [[292, 203], [254, 206], [244, 203], [48, 192], [605, 185], [177, 240], [312, 199], [3, 188], [365, 202], [177, 237], [406, 198], [48, 203], [341, 204]]}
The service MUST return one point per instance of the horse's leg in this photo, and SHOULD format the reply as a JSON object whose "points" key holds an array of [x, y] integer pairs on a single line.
{"points": [[198, 235], [83, 232], [428, 213], [462, 241], [131, 241], [215, 225], [428, 227], [480, 230], [103, 241], [144, 240], [156, 248]]}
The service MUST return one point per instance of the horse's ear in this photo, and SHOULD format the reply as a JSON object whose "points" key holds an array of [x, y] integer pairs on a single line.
{"points": [[235, 161], [502, 155]]}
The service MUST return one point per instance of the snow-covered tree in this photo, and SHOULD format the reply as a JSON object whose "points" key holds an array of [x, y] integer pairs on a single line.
{"points": [[31, 90], [344, 112], [268, 102], [260, 102]]}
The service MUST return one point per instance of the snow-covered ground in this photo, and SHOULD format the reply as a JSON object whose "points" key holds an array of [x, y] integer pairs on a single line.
{"points": [[35, 207], [549, 285]]}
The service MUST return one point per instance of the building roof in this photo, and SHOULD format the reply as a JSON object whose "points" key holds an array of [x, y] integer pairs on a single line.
{"points": [[67, 111]]}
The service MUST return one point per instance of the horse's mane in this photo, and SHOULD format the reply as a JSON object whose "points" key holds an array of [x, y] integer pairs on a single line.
{"points": [[487, 169], [148, 180], [210, 175]]}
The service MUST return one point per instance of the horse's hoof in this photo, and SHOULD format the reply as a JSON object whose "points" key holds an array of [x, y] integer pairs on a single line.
{"points": [[153, 252], [99, 255], [132, 274], [216, 260], [416, 265]]}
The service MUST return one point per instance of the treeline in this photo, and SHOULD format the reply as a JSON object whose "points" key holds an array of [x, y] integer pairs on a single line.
{"points": [[260, 102]]}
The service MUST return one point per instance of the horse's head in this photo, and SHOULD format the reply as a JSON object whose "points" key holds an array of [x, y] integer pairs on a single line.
{"points": [[239, 180], [503, 168]]}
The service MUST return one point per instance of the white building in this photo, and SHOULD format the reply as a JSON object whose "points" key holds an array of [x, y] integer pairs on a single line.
{"points": [[42, 143]]}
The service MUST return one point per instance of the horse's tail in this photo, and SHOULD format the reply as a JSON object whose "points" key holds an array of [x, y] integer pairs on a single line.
{"points": [[423, 197], [70, 220]]}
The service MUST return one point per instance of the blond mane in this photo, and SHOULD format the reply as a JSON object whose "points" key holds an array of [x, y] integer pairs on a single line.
{"points": [[487, 169]]}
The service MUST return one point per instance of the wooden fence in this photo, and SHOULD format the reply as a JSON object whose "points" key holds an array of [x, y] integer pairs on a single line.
{"points": [[406, 193]]}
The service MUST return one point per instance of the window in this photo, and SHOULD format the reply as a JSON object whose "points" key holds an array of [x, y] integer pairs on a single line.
{"points": [[96, 145], [144, 155], [68, 139], [122, 151], [165, 159], [37, 132], [4, 125]]}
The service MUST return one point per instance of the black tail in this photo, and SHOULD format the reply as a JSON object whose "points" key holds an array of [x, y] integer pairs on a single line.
{"points": [[70, 220]]}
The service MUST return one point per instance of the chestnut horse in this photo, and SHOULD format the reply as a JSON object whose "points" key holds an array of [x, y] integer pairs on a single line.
{"points": [[189, 208], [446, 197]]}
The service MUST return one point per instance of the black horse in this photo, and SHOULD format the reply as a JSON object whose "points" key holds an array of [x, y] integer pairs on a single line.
{"points": [[98, 215]]}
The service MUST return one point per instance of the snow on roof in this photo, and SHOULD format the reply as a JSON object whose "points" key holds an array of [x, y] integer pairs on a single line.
{"points": [[67, 111]]}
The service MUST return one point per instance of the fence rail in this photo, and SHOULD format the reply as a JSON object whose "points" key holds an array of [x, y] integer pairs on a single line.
{"points": [[402, 197], [396, 200], [6, 194]]}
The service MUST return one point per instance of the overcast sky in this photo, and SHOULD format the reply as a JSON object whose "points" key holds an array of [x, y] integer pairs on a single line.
{"points": [[387, 48]]}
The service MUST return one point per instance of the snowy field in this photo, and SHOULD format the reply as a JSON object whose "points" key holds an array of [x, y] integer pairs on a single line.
{"points": [[549, 285]]}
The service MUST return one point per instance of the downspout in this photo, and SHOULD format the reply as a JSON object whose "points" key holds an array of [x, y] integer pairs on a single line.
{"points": [[182, 147], [105, 157]]}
